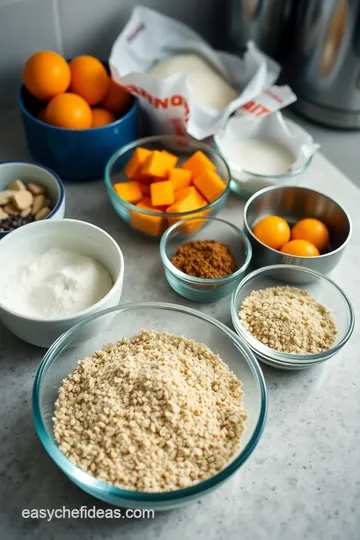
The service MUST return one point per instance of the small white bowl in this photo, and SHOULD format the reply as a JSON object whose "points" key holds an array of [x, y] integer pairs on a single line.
{"points": [[24, 244], [38, 174]]}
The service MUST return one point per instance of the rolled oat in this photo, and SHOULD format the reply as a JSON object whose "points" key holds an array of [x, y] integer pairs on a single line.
{"points": [[288, 320], [156, 412]]}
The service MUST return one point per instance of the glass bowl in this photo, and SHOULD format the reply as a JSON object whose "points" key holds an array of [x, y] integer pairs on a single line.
{"points": [[155, 223], [126, 321], [199, 289], [320, 287]]}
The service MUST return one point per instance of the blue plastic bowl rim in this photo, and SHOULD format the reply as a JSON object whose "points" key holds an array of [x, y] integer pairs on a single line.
{"points": [[259, 348], [191, 279], [133, 108], [47, 169], [102, 488], [160, 138]]}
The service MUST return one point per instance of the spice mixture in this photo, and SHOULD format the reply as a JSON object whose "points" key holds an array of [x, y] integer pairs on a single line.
{"points": [[156, 412], [205, 259], [289, 320]]}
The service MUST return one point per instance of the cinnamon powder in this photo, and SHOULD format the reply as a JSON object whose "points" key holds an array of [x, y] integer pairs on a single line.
{"points": [[205, 259]]}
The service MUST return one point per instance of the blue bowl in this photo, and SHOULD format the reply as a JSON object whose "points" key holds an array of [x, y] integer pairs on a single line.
{"points": [[71, 153], [204, 228]]}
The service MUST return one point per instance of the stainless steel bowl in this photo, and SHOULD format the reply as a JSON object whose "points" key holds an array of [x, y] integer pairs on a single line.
{"points": [[294, 203]]}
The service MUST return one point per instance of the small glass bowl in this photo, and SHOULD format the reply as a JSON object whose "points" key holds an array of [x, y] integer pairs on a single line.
{"points": [[323, 289], [199, 289], [126, 321], [150, 223]]}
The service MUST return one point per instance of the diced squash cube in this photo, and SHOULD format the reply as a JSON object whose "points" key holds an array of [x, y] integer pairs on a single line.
{"points": [[198, 162], [210, 185], [171, 159], [136, 161], [145, 189], [129, 191], [157, 164], [162, 193], [180, 178], [201, 200], [152, 225], [185, 192]]}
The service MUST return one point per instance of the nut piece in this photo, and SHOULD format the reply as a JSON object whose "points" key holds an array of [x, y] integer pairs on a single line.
{"points": [[35, 189], [17, 185], [43, 213], [5, 196], [22, 199], [3, 214], [11, 209], [25, 212], [38, 204]]}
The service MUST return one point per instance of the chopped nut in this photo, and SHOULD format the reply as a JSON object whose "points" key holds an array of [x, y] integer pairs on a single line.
{"points": [[11, 209], [35, 189], [43, 213], [5, 196], [25, 212], [17, 185], [22, 199], [38, 204]]}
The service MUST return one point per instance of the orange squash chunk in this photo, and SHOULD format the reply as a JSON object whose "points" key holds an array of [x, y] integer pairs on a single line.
{"points": [[171, 159], [129, 191], [158, 164], [210, 185], [198, 163], [136, 161], [145, 189], [162, 193], [181, 178], [151, 225]]}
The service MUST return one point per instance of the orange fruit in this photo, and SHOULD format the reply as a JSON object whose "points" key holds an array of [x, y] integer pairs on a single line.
{"points": [[42, 115], [46, 74], [89, 79], [273, 231], [301, 248], [101, 117], [312, 230], [118, 99], [69, 111]]}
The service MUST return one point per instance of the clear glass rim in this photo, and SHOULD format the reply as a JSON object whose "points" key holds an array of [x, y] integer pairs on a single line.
{"points": [[261, 349], [161, 138], [201, 281], [295, 257], [102, 488]]}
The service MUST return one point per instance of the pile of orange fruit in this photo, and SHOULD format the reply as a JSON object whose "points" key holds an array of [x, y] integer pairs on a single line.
{"points": [[79, 94], [309, 237]]}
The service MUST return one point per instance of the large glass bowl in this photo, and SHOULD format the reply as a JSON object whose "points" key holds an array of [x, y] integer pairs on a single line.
{"points": [[323, 289], [125, 321], [155, 223]]}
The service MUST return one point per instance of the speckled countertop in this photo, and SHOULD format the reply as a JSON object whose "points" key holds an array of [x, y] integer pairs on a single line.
{"points": [[303, 480]]}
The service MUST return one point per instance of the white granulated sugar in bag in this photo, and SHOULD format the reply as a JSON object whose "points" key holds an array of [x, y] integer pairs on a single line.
{"points": [[209, 87]]}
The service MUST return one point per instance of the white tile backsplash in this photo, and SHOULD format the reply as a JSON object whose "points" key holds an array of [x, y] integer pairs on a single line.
{"points": [[25, 27], [75, 27]]}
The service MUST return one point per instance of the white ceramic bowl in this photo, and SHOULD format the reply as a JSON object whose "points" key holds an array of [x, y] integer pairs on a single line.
{"points": [[24, 244], [38, 174]]}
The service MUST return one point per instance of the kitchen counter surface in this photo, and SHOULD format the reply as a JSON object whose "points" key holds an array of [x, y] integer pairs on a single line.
{"points": [[303, 480]]}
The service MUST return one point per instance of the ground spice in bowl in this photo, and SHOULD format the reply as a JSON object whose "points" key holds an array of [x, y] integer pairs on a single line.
{"points": [[206, 259]]}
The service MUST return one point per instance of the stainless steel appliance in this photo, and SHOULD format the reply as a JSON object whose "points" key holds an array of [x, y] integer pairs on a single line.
{"points": [[262, 21], [323, 66]]}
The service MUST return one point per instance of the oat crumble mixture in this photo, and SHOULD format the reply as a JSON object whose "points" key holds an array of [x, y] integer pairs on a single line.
{"points": [[289, 320], [153, 413]]}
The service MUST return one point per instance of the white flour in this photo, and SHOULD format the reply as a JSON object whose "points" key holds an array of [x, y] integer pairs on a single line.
{"points": [[58, 283]]}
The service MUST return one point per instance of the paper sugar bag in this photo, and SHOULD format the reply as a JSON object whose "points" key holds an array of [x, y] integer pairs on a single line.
{"points": [[170, 102]]}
